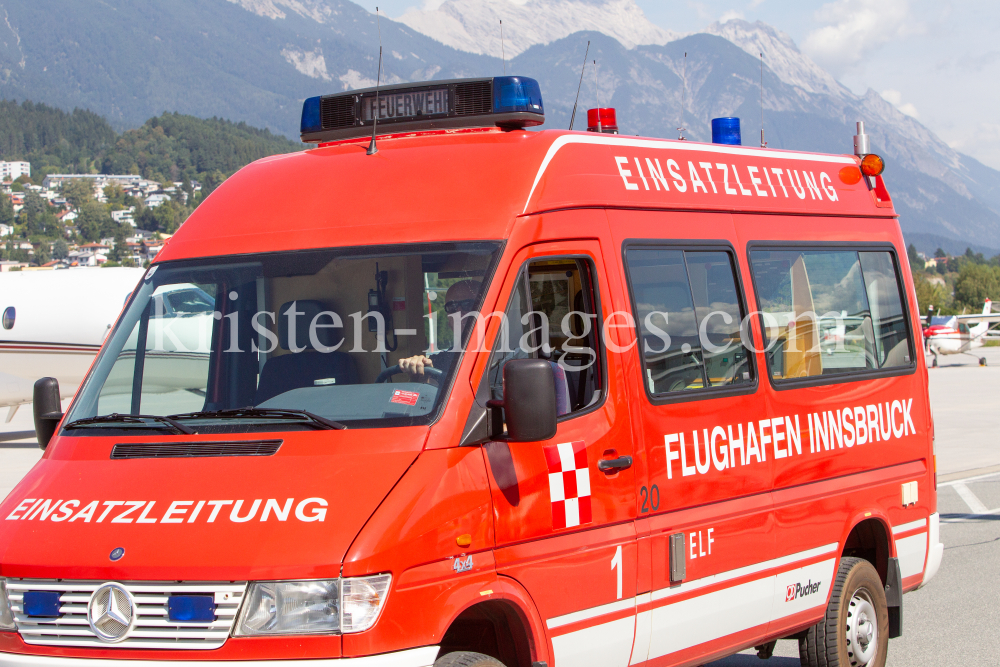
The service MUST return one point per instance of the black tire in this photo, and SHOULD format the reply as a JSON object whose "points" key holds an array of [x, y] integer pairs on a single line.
{"points": [[466, 659], [827, 644]]}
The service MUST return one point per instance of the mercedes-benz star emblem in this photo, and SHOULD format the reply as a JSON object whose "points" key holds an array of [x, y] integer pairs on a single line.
{"points": [[111, 613], [117, 554]]}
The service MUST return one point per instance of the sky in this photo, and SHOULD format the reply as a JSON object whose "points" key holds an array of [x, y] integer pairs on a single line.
{"points": [[936, 60]]}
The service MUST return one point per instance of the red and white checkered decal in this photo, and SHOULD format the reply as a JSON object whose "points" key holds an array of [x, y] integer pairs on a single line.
{"points": [[569, 484]]}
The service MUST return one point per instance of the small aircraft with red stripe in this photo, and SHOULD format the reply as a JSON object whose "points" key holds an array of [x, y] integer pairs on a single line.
{"points": [[959, 334]]}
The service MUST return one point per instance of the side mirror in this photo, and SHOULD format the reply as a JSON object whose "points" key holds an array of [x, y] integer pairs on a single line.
{"points": [[529, 400], [47, 409]]}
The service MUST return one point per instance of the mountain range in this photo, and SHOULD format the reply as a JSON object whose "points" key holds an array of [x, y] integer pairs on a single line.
{"points": [[256, 60]]}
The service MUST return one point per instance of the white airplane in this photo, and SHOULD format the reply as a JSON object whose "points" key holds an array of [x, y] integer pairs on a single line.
{"points": [[53, 325], [952, 334]]}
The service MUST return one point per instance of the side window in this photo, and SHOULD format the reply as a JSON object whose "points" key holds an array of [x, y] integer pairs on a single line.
{"points": [[892, 345], [688, 313], [829, 312], [552, 315]]}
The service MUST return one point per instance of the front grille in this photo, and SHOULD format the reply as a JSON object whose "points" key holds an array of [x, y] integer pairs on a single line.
{"points": [[336, 112], [174, 450], [473, 98], [153, 629]]}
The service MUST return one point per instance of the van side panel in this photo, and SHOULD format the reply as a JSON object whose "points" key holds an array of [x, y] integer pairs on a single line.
{"points": [[722, 513], [865, 435]]}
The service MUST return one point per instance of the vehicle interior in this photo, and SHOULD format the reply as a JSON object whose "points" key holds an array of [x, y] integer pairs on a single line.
{"points": [[319, 331]]}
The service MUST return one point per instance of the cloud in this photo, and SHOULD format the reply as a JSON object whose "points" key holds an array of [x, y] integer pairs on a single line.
{"points": [[701, 9], [895, 98], [854, 29], [730, 15]]}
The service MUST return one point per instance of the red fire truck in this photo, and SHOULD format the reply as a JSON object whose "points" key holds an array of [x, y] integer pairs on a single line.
{"points": [[448, 391]]}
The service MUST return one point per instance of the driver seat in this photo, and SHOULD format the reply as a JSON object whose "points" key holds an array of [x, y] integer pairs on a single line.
{"points": [[309, 367]]}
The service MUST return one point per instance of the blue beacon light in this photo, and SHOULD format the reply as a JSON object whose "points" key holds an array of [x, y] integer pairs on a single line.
{"points": [[311, 121], [726, 131], [516, 93]]}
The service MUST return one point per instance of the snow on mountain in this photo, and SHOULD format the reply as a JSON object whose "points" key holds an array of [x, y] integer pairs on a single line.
{"points": [[474, 25], [317, 10], [781, 55]]}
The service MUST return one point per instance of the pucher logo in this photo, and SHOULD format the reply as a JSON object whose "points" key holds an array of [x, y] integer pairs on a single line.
{"points": [[795, 591]]}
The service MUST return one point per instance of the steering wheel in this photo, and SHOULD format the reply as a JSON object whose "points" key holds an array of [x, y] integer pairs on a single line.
{"points": [[433, 373]]}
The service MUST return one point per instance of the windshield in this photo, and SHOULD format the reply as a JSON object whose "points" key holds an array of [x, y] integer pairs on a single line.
{"points": [[289, 340]]}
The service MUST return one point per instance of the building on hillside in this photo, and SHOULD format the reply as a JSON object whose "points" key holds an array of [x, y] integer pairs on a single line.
{"points": [[154, 200], [125, 216], [931, 263], [55, 264], [89, 254], [9, 265], [100, 181], [12, 170], [139, 235], [6, 230]]}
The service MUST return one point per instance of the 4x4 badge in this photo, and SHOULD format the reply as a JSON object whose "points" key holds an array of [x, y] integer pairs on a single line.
{"points": [[462, 564]]}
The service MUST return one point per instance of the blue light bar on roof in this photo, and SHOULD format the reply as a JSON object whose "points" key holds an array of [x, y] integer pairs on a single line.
{"points": [[509, 102], [310, 115], [516, 93]]}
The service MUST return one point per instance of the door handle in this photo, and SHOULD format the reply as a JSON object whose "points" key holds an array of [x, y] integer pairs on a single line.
{"points": [[614, 465]]}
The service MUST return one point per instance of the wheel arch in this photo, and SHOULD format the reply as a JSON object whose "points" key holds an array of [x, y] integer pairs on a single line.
{"points": [[505, 626], [870, 538]]}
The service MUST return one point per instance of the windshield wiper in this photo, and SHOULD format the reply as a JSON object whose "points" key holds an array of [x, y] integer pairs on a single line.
{"points": [[114, 417], [276, 413]]}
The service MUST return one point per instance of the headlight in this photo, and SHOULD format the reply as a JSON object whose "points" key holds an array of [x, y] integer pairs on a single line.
{"points": [[291, 607], [6, 616], [312, 607]]}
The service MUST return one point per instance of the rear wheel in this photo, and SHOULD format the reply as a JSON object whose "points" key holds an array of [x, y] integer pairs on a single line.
{"points": [[855, 631], [466, 659]]}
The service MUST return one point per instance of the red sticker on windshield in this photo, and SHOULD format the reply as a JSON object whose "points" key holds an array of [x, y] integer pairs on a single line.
{"points": [[404, 397]]}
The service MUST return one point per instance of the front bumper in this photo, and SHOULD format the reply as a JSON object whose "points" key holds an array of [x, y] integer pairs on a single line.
{"points": [[414, 657]]}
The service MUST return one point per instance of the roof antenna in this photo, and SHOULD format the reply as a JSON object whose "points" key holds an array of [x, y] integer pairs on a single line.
{"points": [[684, 87], [582, 70], [503, 54], [763, 144], [372, 148]]}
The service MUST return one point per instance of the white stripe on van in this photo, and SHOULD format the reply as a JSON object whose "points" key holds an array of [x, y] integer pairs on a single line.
{"points": [[911, 552], [593, 612], [598, 646], [904, 527], [743, 571], [617, 140], [771, 600], [721, 613]]}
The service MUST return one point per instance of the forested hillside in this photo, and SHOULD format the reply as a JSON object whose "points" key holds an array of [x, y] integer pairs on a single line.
{"points": [[171, 147]]}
